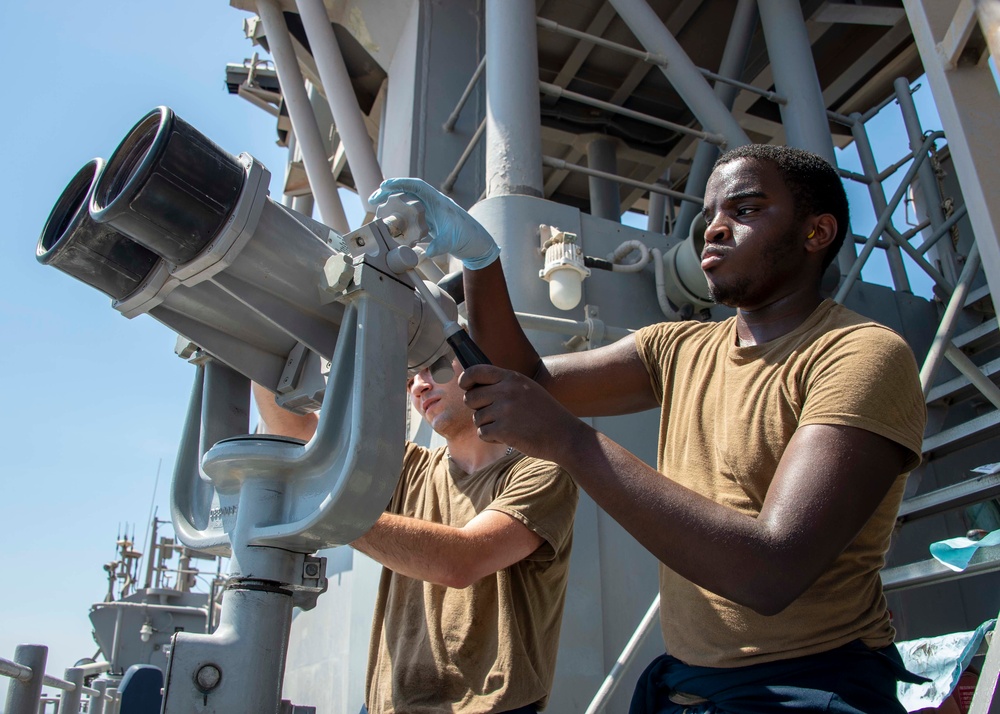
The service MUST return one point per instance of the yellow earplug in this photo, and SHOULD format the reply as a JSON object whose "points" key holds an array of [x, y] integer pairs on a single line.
{"points": [[811, 233]]}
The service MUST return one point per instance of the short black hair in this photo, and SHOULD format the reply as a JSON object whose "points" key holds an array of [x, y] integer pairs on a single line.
{"points": [[815, 185]]}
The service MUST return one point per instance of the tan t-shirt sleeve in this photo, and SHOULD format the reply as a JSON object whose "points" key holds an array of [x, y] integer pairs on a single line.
{"points": [[543, 497], [870, 382]]}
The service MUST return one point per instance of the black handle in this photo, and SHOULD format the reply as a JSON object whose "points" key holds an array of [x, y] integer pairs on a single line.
{"points": [[466, 350]]}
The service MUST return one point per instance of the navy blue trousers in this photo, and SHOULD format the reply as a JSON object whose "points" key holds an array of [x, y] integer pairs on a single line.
{"points": [[530, 709], [847, 680]]}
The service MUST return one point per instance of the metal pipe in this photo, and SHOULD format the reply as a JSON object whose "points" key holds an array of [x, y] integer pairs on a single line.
{"points": [[804, 115], [14, 670], [73, 697], [972, 372], [95, 668], [893, 168], [554, 90], [449, 125], [856, 177], [258, 102], [324, 187], [839, 118], [928, 181], [680, 71], [884, 219], [877, 195], [56, 683], [912, 232], [562, 326], [120, 605], [449, 182], [949, 321], [733, 61], [555, 163], [790, 52], [513, 125], [656, 213], [880, 106], [942, 230], [116, 641], [605, 200], [610, 682], [653, 59], [347, 115], [96, 704], [765, 93], [225, 408]]}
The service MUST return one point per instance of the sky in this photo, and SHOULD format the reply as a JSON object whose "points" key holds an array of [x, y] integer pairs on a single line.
{"points": [[94, 403]]}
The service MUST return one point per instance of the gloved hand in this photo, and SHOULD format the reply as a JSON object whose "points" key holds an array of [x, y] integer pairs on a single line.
{"points": [[452, 229]]}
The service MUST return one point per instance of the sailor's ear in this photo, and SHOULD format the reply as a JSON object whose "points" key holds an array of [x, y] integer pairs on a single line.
{"points": [[821, 230]]}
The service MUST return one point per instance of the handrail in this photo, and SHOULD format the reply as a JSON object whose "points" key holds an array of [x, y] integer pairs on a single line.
{"points": [[449, 125], [554, 90], [555, 163], [14, 670], [653, 59]]}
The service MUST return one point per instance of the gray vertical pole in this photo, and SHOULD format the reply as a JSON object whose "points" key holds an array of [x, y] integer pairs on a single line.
{"points": [[605, 199], [680, 71], [877, 194], [343, 103], [96, 704], [226, 405], [70, 703], [22, 697], [804, 113], [656, 215], [300, 111], [927, 179], [513, 112], [303, 205], [733, 60]]}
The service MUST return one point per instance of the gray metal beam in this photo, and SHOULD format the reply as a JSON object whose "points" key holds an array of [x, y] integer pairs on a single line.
{"points": [[804, 115], [968, 105], [733, 60], [681, 71], [347, 115], [324, 187], [605, 201]]}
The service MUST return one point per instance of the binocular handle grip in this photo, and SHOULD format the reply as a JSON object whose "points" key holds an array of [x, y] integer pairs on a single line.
{"points": [[466, 350]]}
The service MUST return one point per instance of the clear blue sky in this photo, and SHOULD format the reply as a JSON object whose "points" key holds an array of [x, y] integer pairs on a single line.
{"points": [[93, 402]]}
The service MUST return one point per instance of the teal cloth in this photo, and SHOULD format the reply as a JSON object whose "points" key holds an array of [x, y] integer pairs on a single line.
{"points": [[956, 553]]}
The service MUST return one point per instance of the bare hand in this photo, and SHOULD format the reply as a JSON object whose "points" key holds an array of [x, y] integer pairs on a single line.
{"points": [[512, 409]]}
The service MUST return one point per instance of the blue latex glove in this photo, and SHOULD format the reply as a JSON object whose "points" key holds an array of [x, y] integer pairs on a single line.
{"points": [[452, 229]]}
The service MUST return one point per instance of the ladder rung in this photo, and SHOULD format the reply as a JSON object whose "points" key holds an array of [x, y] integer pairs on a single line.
{"points": [[973, 490], [972, 431], [980, 336], [929, 572], [976, 295], [961, 387]]}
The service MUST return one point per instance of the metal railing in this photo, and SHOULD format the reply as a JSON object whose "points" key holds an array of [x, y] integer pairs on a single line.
{"points": [[27, 674]]}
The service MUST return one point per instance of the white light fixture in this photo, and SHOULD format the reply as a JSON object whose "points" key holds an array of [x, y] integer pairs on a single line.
{"points": [[564, 269]]}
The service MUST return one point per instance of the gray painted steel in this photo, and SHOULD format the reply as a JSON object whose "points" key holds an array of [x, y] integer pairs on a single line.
{"points": [[513, 135]]}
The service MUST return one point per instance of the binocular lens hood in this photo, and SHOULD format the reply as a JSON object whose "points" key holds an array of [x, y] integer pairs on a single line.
{"points": [[168, 187], [93, 253]]}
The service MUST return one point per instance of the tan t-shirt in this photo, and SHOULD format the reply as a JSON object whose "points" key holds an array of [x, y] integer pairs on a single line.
{"points": [[490, 647], [727, 414]]}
